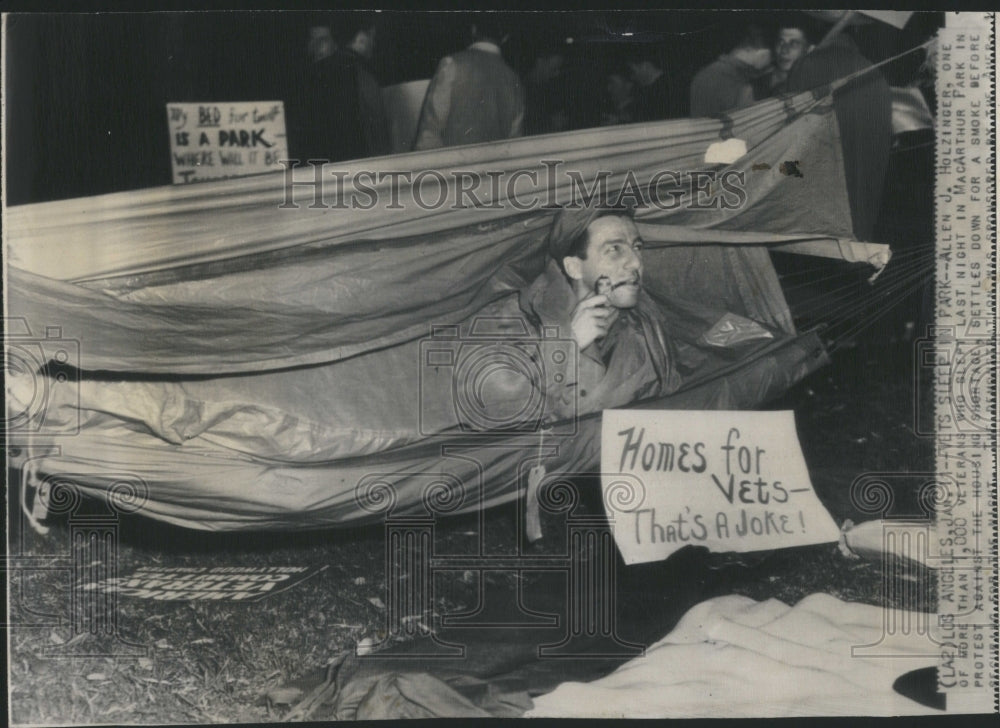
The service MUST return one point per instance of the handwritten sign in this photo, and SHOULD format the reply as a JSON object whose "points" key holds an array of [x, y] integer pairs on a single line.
{"points": [[729, 481], [206, 583], [218, 140]]}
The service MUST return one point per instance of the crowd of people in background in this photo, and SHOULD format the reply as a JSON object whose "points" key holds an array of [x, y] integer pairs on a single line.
{"points": [[338, 109], [476, 96]]}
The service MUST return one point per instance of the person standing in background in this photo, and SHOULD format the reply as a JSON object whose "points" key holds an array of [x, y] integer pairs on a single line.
{"points": [[474, 95], [544, 93], [357, 38], [864, 115], [652, 91], [618, 107], [324, 123], [727, 83], [792, 42]]}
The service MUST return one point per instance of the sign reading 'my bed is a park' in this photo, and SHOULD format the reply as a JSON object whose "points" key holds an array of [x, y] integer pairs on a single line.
{"points": [[234, 139], [729, 481]]}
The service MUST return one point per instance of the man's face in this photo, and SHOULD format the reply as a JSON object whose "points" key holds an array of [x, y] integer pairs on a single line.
{"points": [[320, 43], [615, 251], [364, 43], [791, 46]]}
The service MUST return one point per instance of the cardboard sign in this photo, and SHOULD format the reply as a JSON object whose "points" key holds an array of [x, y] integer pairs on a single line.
{"points": [[403, 103], [206, 583], [730, 481], [218, 140]]}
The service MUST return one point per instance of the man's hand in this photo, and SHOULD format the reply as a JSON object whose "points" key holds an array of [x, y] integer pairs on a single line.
{"points": [[591, 319]]}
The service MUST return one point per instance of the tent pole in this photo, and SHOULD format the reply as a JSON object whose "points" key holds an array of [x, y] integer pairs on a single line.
{"points": [[837, 28]]}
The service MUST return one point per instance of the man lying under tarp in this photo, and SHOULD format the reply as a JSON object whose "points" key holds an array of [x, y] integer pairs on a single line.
{"points": [[592, 287], [253, 361], [606, 341], [312, 440]]}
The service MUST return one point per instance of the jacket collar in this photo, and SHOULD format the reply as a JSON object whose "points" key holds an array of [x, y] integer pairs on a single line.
{"points": [[551, 298]]}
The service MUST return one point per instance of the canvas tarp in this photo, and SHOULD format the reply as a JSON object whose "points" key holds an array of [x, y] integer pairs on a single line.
{"points": [[289, 456], [225, 276], [315, 314]]}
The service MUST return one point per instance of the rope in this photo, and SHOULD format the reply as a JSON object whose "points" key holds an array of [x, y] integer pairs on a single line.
{"points": [[847, 314], [913, 267], [843, 81]]}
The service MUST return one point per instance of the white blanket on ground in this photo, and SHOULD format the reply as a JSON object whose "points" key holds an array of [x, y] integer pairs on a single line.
{"points": [[734, 657]]}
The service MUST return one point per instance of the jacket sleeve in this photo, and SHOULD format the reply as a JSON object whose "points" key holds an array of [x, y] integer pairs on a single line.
{"points": [[745, 97], [517, 126], [437, 105]]}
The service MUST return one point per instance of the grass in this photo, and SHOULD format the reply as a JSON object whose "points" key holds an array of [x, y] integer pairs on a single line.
{"points": [[214, 662]]}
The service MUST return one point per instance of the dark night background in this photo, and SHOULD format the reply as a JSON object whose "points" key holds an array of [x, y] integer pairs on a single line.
{"points": [[86, 93]]}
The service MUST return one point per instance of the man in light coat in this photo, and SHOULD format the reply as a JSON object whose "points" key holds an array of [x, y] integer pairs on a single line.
{"points": [[474, 96]]}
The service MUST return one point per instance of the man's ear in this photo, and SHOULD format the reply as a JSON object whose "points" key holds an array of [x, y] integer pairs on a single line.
{"points": [[573, 267]]}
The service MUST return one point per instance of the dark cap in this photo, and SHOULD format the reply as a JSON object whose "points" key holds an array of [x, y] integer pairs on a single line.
{"points": [[570, 223]]}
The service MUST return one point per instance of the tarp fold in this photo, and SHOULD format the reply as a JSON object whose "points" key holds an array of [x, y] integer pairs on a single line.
{"points": [[250, 349]]}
